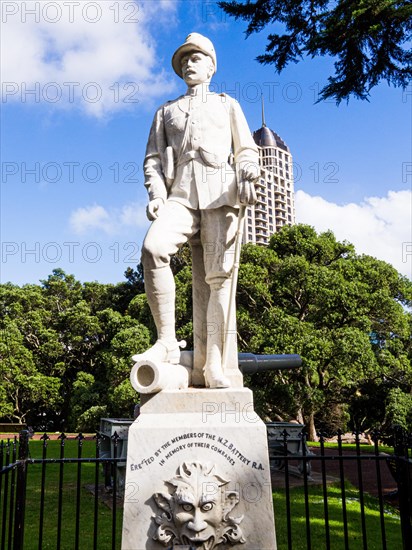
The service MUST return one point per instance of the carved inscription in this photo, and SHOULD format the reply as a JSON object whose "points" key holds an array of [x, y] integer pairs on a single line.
{"points": [[197, 440]]}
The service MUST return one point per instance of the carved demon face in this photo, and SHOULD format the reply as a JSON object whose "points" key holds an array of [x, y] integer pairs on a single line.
{"points": [[197, 512]]}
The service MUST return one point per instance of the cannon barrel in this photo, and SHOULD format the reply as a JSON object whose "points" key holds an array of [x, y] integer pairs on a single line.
{"points": [[249, 363]]}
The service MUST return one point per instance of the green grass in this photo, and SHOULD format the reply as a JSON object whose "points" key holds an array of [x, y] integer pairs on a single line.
{"points": [[317, 520], [364, 448], [33, 495]]}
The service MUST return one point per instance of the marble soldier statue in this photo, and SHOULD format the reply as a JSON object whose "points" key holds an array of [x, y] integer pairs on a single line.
{"points": [[200, 166]]}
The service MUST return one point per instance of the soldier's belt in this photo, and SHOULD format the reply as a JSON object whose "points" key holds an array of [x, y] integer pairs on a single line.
{"points": [[187, 157], [210, 159]]}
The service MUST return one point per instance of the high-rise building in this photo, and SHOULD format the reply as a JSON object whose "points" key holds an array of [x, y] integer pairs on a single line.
{"points": [[275, 206]]}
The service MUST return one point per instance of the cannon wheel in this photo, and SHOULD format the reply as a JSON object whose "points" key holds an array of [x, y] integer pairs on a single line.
{"points": [[301, 467], [277, 463]]}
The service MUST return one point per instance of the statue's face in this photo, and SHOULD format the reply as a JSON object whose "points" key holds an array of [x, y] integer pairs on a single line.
{"points": [[196, 68], [198, 515]]}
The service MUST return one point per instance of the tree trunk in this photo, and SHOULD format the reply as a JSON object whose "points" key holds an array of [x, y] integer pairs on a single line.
{"points": [[310, 424], [312, 436]]}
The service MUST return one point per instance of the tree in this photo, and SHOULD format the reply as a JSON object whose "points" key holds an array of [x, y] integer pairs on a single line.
{"points": [[399, 409], [132, 338], [24, 390], [65, 351], [367, 38], [343, 313]]}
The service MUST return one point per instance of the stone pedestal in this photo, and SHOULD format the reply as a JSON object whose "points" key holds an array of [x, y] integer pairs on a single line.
{"points": [[198, 474]]}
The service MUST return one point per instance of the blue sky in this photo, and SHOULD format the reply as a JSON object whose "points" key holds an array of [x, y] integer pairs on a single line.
{"points": [[80, 84]]}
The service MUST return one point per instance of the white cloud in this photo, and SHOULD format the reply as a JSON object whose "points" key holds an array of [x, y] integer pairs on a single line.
{"points": [[93, 217], [99, 55], [133, 215], [89, 219], [379, 226]]}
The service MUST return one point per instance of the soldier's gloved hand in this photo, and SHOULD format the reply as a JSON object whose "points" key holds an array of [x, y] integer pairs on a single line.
{"points": [[250, 171], [247, 193], [153, 208]]}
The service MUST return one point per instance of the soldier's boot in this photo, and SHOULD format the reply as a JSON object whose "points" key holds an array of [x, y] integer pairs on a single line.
{"points": [[216, 315], [160, 292]]}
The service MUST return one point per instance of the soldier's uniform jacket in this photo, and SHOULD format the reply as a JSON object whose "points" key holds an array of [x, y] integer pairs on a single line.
{"points": [[194, 144]]}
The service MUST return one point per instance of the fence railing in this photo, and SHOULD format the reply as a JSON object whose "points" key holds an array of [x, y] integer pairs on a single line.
{"points": [[58, 509], [341, 481], [68, 494]]}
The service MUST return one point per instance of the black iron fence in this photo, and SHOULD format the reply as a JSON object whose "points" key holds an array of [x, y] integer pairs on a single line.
{"points": [[68, 494], [42, 498], [348, 497]]}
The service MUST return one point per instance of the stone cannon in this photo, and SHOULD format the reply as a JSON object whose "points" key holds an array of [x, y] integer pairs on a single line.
{"points": [[151, 377]]}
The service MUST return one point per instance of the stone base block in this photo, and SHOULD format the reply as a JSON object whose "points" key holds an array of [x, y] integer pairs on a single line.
{"points": [[198, 474]]}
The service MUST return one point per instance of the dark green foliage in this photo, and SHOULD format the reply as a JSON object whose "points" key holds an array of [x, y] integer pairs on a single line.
{"points": [[343, 313], [399, 408], [368, 39], [65, 351]]}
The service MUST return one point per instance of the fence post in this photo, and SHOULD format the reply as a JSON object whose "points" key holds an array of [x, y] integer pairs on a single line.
{"points": [[403, 467], [21, 490]]}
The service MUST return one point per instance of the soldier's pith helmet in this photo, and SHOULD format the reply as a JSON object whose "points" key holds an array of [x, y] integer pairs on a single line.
{"points": [[194, 42]]}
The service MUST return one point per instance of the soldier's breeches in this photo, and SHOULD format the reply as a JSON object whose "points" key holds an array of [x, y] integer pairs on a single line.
{"points": [[176, 224]]}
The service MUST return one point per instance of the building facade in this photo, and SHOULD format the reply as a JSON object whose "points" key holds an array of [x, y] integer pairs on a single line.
{"points": [[275, 206]]}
